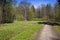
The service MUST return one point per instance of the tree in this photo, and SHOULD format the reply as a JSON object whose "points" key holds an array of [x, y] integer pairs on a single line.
{"points": [[49, 12], [0, 14], [7, 8], [43, 11], [57, 11], [38, 12], [2, 4], [25, 7], [19, 14], [31, 13]]}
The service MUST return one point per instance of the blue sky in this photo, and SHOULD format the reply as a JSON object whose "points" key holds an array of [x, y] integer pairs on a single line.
{"points": [[36, 3]]}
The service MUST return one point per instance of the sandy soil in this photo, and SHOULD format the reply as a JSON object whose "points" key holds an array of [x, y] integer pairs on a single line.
{"points": [[47, 33]]}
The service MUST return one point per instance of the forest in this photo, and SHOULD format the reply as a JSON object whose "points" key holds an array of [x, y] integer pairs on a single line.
{"points": [[25, 11], [23, 21]]}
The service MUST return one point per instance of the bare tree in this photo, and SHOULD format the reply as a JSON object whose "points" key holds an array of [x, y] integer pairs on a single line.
{"points": [[25, 5]]}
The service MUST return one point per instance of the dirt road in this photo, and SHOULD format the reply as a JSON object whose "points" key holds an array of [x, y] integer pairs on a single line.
{"points": [[47, 33]]}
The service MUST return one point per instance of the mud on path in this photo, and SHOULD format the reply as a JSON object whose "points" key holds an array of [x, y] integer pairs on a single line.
{"points": [[47, 33]]}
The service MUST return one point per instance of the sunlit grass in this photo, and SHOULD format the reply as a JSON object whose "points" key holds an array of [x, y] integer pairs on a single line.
{"points": [[19, 30]]}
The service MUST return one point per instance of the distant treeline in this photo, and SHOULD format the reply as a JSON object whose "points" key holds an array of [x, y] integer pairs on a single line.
{"points": [[26, 11]]}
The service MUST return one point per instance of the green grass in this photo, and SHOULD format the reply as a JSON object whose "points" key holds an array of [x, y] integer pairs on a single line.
{"points": [[19, 30], [57, 27]]}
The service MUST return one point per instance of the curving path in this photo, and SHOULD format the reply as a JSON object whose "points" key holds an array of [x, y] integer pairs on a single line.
{"points": [[47, 33]]}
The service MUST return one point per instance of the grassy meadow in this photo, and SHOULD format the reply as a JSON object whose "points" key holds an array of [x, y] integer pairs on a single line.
{"points": [[19, 30]]}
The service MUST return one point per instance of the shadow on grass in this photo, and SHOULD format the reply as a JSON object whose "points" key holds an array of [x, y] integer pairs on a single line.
{"points": [[50, 23]]}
